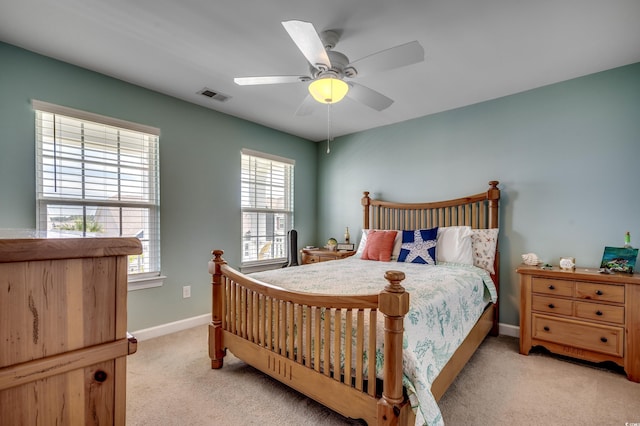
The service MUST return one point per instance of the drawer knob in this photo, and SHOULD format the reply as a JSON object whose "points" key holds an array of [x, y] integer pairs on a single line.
{"points": [[551, 287], [546, 328], [551, 305], [599, 292], [100, 376], [603, 339], [599, 313]]}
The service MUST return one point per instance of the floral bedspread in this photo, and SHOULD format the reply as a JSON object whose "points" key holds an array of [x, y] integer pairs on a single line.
{"points": [[445, 302]]}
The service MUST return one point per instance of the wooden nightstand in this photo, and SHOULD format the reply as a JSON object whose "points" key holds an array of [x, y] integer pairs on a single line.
{"points": [[582, 314], [323, 255]]}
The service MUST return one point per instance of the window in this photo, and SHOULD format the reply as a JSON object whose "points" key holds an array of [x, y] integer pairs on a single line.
{"points": [[98, 176], [267, 207]]}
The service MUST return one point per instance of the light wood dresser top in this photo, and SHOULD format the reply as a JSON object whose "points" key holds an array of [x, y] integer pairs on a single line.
{"points": [[17, 245]]}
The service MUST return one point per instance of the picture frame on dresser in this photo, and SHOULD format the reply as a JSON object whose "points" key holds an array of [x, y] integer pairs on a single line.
{"points": [[619, 259], [346, 246]]}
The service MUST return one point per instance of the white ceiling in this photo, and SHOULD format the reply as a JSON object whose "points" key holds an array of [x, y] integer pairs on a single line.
{"points": [[475, 50]]}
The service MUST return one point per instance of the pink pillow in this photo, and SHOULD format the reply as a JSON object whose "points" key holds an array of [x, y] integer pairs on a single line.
{"points": [[379, 245]]}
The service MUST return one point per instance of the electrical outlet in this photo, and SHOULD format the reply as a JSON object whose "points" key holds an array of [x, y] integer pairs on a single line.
{"points": [[186, 291]]}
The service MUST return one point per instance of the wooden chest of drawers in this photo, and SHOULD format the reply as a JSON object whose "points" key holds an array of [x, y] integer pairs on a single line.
{"points": [[63, 322], [323, 255], [582, 314]]}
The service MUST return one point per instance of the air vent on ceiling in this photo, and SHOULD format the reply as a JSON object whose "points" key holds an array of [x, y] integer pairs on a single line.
{"points": [[214, 95]]}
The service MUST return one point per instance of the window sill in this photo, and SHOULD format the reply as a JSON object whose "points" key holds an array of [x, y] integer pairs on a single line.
{"points": [[147, 282], [248, 268]]}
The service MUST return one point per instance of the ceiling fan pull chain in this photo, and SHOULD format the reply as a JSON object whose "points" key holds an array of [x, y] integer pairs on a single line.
{"points": [[328, 128]]}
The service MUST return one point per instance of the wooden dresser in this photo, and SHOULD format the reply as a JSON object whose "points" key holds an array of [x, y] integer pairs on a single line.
{"points": [[323, 255], [583, 314], [63, 329]]}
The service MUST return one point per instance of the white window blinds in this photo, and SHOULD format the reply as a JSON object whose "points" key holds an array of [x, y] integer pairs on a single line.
{"points": [[99, 176], [267, 206]]}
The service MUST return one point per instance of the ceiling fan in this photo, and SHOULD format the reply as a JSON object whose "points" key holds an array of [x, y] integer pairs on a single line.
{"points": [[332, 67]]}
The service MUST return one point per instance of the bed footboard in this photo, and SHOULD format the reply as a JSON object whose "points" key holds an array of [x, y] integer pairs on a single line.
{"points": [[321, 345]]}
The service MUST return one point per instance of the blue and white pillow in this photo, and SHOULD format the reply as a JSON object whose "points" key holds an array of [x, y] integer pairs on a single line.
{"points": [[419, 246]]}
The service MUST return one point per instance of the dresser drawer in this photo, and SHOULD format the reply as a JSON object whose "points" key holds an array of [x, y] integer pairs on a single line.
{"points": [[598, 291], [593, 337], [552, 286], [552, 305], [600, 312], [323, 255], [308, 258]]}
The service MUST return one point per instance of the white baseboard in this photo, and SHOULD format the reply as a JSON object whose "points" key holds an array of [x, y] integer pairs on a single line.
{"points": [[172, 327], [508, 330]]}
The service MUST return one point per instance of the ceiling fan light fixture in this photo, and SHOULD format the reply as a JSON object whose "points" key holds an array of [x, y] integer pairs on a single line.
{"points": [[328, 90]]}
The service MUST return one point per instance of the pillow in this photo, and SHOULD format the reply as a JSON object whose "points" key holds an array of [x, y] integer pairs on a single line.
{"points": [[419, 246], [454, 245], [484, 243], [396, 244], [379, 245]]}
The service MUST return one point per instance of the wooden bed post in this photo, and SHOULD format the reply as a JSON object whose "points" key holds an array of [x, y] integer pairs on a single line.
{"points": [[493, 195], [394, 304], [366, 202], [216, 349]]}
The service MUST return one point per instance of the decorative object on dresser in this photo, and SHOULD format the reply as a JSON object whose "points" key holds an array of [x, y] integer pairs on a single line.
{"points": [[63, 328], [619, 259], [531, 259], [567, 263], [582, 314], [323, 255], [346, 247], [332, 244], [283, 321]]}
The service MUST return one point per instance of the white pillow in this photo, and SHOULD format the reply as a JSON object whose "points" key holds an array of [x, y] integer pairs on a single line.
{"points": [[454, 245], [397, 243], [484, 243]]}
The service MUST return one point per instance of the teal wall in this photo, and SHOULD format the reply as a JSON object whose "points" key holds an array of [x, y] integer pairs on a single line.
{"points": [[199, 171], [566, 155]]}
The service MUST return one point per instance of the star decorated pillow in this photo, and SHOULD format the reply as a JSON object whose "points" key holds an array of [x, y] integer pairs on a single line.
{"points": [[419, 246]]}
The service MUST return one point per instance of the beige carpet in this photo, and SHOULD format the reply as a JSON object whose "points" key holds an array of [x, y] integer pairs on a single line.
{"points": [[169, 382]]}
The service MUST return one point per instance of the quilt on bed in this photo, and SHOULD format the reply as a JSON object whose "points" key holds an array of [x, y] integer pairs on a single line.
{"points": [[446, 300]]}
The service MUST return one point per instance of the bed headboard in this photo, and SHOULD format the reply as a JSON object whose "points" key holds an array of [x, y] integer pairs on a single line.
{"points": [[479, 211]]}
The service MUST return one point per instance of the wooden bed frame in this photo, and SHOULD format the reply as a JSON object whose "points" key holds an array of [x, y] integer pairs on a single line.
{"points": [[287, 334]]}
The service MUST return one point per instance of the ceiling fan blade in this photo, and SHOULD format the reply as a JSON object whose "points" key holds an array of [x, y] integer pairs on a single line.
{"points": [[368, 97], [307, 106], [273, 79], [305, 36], [394, 57]]}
